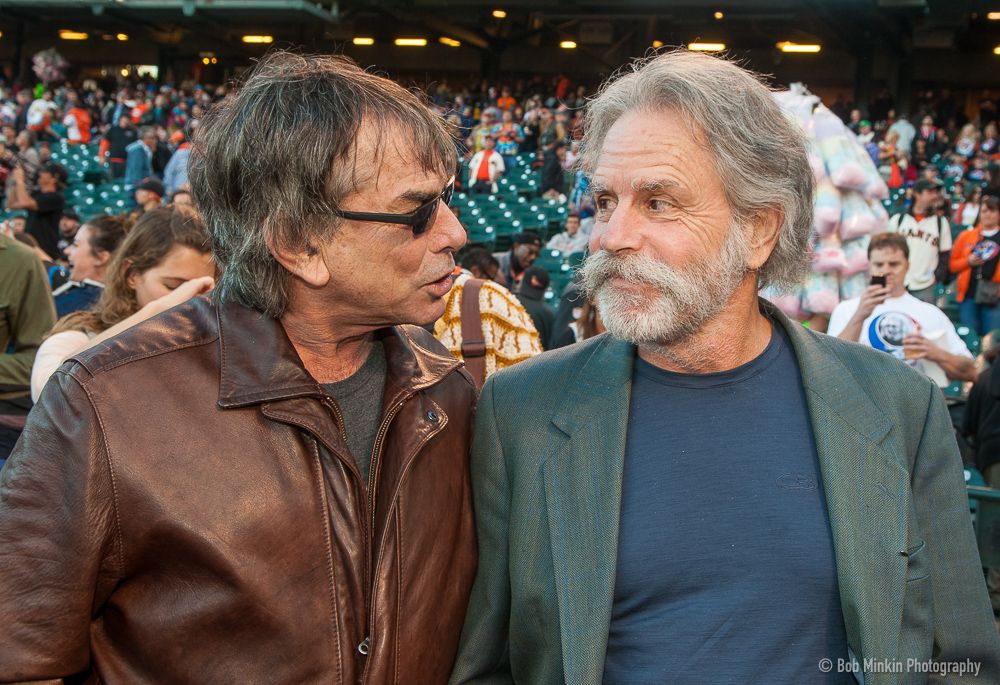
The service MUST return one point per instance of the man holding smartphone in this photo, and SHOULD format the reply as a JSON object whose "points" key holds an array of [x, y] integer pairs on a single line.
{"points": [[889, 318]]}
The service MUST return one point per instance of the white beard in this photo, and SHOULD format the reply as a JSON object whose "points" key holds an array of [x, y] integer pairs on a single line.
{"points": [[676, 303]]}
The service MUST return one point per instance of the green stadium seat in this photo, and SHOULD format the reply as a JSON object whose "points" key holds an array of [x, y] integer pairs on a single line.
{"points": [[558, 283], [970, 338], [955, 391], [974, 477], [576, 259], [550, 260]]}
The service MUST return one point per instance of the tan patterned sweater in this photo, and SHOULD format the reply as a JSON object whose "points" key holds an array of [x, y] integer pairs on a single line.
{"points": [[507, 328]]}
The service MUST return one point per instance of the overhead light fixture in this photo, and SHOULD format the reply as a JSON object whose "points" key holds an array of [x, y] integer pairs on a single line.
{"points": [[411, 42], [66, 34], [657, 44], [215, 60], [364, 41], [706, 47], [568, 44], [124, 72], [993, 16], [719, 15], [258, 39], [499, 14], [996, 50], [206, 60], [122, 36], [450, 42], [789, 46]]}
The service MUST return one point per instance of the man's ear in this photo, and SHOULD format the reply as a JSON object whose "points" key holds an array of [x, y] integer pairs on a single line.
{"points": [[763, 236], [307, 263]]}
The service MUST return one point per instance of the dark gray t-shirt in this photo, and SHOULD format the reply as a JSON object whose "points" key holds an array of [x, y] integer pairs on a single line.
{"points": [[725, 568], [359, 399]]}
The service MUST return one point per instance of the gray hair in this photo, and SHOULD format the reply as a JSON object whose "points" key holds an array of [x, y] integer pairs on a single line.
{"points": [[759, 151], [272, 162]]}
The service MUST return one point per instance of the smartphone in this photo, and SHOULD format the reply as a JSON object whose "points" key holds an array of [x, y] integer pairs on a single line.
{"points": [[878, 280]]}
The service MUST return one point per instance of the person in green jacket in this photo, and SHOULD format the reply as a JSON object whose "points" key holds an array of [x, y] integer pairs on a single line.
{"points": [[27, 312], [711, 493]]}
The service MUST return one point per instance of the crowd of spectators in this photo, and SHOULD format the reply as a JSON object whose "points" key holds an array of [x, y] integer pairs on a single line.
{"points": [[72, 281], [941, 140], [142, 135]]}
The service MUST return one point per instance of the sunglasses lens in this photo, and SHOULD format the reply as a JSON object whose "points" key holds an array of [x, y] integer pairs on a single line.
{"points": [[423, 218], [427, 212]]}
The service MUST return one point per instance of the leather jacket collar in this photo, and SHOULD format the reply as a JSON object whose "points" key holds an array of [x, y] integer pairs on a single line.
{"points": [[259, 363]]}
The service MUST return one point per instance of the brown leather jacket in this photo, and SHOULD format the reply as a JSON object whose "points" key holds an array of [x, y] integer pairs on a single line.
{"points": [[166, 517]]}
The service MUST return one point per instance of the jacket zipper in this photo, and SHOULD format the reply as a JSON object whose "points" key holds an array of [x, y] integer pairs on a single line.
{"points": [[365, 645], [372, 469]]}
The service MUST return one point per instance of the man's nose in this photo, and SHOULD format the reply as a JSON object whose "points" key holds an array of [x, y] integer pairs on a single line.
{"points": [[619, 234], [449, 228]]}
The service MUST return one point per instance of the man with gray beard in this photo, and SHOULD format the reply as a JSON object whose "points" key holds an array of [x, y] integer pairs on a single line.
{"points": [[711, 493]]}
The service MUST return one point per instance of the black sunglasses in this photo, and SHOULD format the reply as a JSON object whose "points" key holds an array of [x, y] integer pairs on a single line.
{"points": [[418, 219]]}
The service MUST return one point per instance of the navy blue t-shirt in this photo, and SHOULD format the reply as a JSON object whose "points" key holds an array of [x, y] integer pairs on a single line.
{"points": [[726, 568]]}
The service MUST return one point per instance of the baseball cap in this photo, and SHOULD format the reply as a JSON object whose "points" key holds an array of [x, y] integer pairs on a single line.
{"points": [[534, 275], [152, 185], [927, 184]]}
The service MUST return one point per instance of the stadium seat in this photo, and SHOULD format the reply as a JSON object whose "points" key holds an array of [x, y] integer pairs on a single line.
{"points": [[970, 338], [550, 260], [955, 391], [576, 259]]}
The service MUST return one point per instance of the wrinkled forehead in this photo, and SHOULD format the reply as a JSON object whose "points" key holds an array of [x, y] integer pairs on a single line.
{"points": [[887, 254], [383, 158]]}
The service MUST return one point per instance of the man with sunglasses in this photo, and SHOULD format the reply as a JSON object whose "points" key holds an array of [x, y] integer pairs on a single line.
{"points": [[269, 484]]}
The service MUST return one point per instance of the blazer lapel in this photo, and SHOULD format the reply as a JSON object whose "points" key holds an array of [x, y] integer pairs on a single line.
{"points": [[865, 487], [583, 485], [864, 483]]}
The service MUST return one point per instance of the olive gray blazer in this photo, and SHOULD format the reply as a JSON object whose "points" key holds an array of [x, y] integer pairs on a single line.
{"points": [[547, 478]]}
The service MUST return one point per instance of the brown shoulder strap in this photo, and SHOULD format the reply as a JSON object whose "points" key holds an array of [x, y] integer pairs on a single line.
{"points": [[473, 344]]}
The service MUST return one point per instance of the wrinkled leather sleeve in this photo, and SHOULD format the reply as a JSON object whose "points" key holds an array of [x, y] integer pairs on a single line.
{"points": [[60, 555]]}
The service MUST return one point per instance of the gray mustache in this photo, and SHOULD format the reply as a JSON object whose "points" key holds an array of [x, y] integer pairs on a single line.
{"points": [[602, 266]]}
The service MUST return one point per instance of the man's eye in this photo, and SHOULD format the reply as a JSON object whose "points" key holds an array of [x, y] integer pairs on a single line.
{"points": [[659, 205]]}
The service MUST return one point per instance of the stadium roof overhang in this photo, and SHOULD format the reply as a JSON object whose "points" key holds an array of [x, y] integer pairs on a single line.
{"points": [[146, 11]]}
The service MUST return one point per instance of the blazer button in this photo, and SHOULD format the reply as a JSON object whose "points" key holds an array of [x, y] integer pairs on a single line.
{"points": [[432, 416]]}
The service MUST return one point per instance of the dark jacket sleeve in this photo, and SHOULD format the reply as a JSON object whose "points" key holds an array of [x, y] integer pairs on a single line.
{"points": [[60, 553], [970, 417]]}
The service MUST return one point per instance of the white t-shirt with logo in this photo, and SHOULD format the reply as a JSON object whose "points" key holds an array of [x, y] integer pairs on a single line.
{"points": [[896, 318], [926, 240]]}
